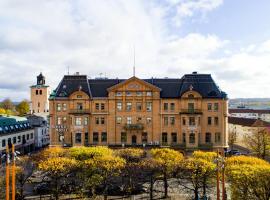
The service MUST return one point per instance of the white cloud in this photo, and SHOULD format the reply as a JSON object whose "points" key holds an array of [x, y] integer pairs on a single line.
{"points": [[98, 36]]}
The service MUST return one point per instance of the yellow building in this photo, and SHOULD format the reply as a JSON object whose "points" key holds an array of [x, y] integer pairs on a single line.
{"points": [[188, 112], [40, 93]]}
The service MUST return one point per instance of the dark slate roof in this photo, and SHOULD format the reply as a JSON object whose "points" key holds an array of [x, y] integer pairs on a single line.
{"points": [[11, 125], [170, 87]]}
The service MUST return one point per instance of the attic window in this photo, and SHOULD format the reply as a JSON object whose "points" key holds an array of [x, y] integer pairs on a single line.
{"points": [[64, 86], [79, 96], [191, 96], [118, 94]]}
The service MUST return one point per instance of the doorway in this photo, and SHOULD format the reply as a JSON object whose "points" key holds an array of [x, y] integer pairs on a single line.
{"points": [[134, 139]]}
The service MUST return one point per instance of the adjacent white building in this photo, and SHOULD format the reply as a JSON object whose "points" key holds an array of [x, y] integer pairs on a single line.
{"points": [[251, 114], [40, 125]]}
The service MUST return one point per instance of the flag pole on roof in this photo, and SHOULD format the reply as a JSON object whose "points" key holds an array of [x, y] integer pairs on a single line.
{"points": [[134, 60]]}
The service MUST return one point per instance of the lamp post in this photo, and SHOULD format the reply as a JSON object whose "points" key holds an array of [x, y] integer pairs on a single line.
{"points": [[7, 173], [220, 161]]}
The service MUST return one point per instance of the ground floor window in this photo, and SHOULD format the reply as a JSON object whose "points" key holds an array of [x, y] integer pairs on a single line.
{"points": [[184, 137], [78, 138], [123, 137], [217, 137], [207, 137], [191, 138], [174, 138], [95, 137], [104, 137], [164, 138], [144, 137], [86, 141]]}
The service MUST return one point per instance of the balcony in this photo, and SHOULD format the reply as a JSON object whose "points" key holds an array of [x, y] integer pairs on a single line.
{"points": [[79, 111], [137, 126], [191, 111]]}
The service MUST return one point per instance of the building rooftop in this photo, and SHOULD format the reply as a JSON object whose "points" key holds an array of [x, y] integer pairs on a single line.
{"points": [[13, 124], [259, 111], [170, 87], [248, 122]]}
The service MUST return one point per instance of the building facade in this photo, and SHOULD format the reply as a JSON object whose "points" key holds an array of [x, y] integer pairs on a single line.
{"points": [[17, 131], [188, 112], [251, 114], [41, 131], [240, 127], [40, 93]]}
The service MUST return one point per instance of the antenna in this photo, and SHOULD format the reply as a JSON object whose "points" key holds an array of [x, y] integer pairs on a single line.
{"points": [[68, 69], [134, 61]]}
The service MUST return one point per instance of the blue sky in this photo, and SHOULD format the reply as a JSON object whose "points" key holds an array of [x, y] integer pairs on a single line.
{"points": [[228, 38]]}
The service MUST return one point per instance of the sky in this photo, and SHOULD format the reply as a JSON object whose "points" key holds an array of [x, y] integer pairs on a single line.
{"points": [[229, 39]]}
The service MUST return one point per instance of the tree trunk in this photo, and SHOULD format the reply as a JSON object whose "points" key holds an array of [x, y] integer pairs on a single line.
{"points": [[196, 192], [165, 182], [151, 187]]}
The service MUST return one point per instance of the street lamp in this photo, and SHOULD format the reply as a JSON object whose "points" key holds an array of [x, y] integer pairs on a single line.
{"points": [[220, 161]]}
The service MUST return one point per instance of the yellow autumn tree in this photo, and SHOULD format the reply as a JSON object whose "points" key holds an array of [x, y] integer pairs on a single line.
{"points": [[104, 168], [57, 168], [168, 160], [249, 178], [84, 153]]}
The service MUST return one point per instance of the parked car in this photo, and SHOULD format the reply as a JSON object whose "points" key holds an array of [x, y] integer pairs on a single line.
{"points": [[232, 152]]}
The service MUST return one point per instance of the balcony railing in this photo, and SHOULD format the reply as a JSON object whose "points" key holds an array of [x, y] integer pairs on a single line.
{"points": [[79, 111], [190, 111], [133, 126]]}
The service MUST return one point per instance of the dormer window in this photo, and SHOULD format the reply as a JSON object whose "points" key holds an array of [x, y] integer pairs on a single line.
{"points": [[191, 96], [79, 96], [118, 94], [128, 93]]}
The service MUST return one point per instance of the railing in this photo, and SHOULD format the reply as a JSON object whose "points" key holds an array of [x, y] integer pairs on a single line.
{"points": [[133, 126], [79, 111], [190, 111]]}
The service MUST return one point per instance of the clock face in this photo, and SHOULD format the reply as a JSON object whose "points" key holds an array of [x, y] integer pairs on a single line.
{"points": [[133, 86]]}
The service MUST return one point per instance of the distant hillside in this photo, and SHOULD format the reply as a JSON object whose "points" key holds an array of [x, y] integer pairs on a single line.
{"points": [[255, 103]]}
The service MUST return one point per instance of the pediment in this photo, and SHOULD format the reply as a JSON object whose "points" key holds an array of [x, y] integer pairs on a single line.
{"points": [[133, 84]]}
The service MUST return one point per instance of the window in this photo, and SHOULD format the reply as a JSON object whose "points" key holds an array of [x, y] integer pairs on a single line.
{"points": [[104, 137], [86, 121], [192, 138], [139, 93], [148, 120], [118, 120], [166, 106], [3, 143], [19, 138], [217, 137], [209, 120], [174, 138], [97, 106], [192, 121], [78, 138], [164, 138], [78, 121], [102, 106], [38, 104], [64, 106], [58, 107], [27, 137], [128, 106], [36, 92], [149, 106], [59, 120], [139, 119], [102, 120], [209, 106], [123, 137], [207, 137], [40, 92], [129, 120], [79, 96], [86, 141], [149, 94], [144, 137], [97, 120], [216, 121], [31, 135], [79, 106], [95, 137], [184, 121], [165, 120], [184, 137], [215, 106], [191, 96], [138, 106], [14, 140], [172, 106], [191, 107], [128, 93], [119, 105], [172, 120], [118, 94]]}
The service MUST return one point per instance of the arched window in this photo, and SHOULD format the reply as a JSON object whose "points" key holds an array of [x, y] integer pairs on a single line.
{"points": [[192, 138], [207, 137]]}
